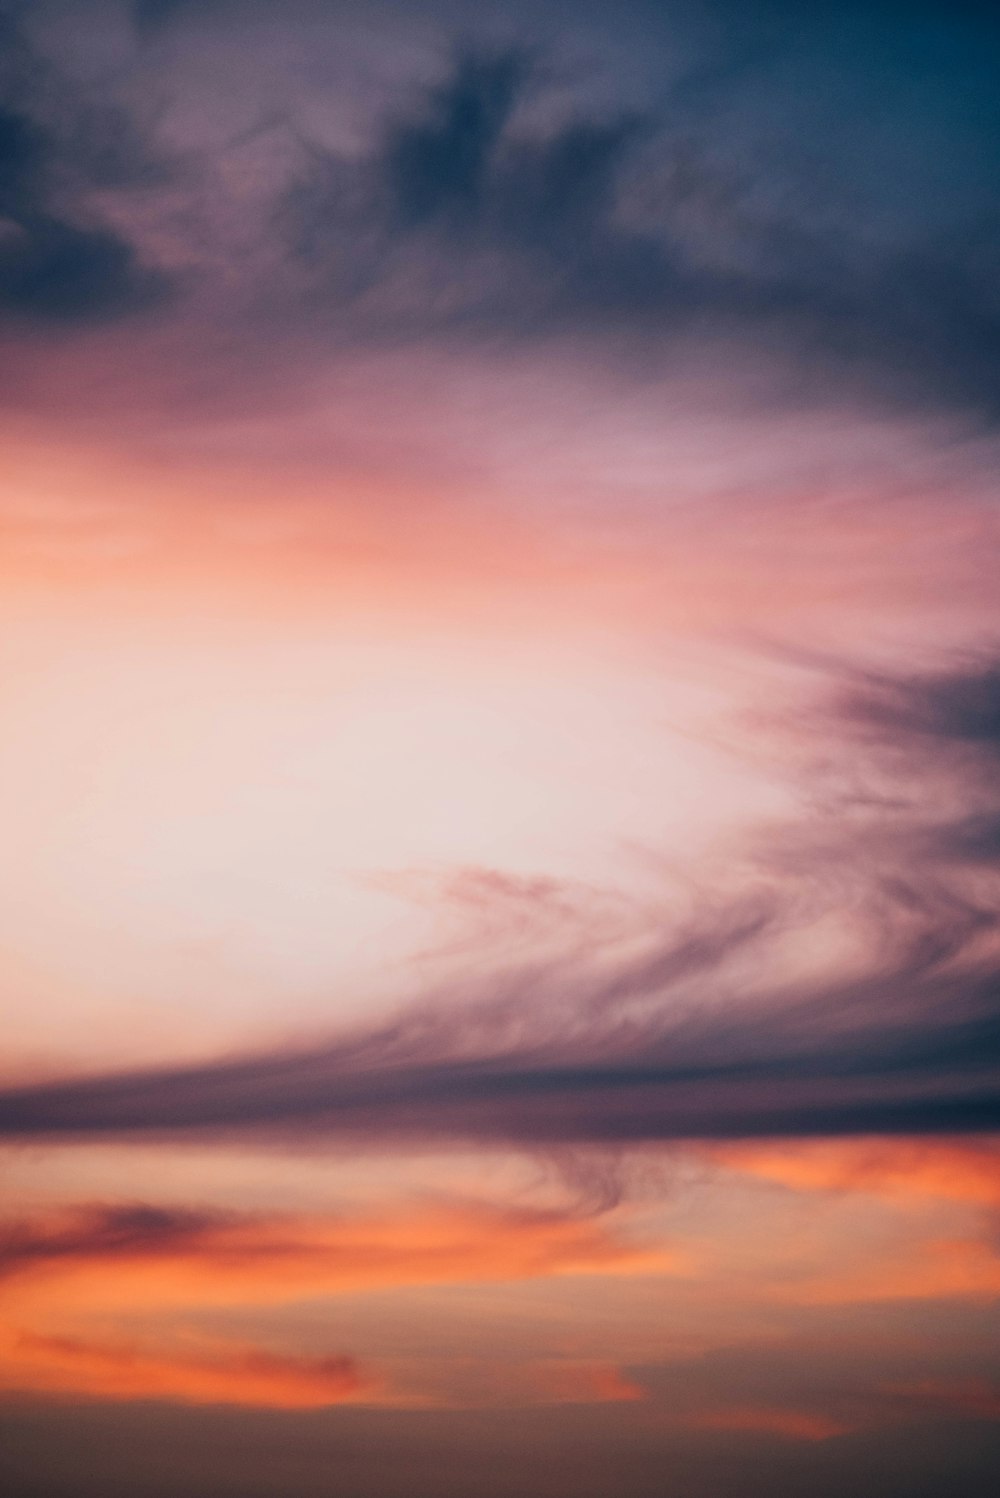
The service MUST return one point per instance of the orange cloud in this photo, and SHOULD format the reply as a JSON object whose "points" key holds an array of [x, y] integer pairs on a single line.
{"points": [[895, 1171], [793, 1425], [564, 1382], [137, 1257], [93, 1265], [972, 1398], [98, 1370], [898, 1169], [953, 1268]]}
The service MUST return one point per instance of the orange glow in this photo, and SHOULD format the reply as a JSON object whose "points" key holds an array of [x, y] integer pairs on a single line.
{"points": [[956, 1268], [246, 1261], [70, 1271], [584, 1383], [897, 1169], [95, 1370]]}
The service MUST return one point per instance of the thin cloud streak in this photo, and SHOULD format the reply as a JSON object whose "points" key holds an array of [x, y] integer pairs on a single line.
{"points": [[122, 1371]]}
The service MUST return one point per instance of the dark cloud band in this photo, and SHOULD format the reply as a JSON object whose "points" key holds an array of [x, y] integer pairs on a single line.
{"points": [[667, 1045]]}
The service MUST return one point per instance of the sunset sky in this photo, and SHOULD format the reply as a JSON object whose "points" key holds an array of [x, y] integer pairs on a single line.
{"points": [[500, 749]]}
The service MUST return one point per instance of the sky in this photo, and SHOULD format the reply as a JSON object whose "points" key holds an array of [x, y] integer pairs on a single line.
{"points": [[500, 750]]}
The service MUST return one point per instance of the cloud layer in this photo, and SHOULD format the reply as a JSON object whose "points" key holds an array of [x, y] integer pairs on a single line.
{"points": [[703, 196], [685, 1035]]}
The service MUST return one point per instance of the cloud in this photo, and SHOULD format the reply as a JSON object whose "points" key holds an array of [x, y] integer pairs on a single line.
{"points": [[53, 272], [116, 1371], [61, 263], [969, 1399], [567, 1381], [958, 707], [510, 201], [100, 1265], [938, 731], [824, 1381], [153, 15], [103, 1234], [789, 1424], [470, 217], [957, 1268], [439, 168], [898, 1053], [922, 1169], [114, 1257], [686, 1034], [22, 149], [462, 223]]}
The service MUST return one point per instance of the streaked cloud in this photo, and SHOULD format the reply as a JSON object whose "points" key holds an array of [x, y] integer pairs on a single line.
{"points": [[150, 1256], [115, 1371]]}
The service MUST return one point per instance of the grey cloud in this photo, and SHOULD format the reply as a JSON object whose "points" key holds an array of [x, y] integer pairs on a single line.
{"points": [[152, 15], [440, 167], [806, 185], [466, 220], [101, 1231], [54, 272], [22, 153], [958, 706], [59, 263], [974, 839]]}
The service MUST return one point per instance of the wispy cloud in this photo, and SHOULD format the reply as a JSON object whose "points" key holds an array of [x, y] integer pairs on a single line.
{"points": [[667, 1041], [124, 1371], [149, 1256]]}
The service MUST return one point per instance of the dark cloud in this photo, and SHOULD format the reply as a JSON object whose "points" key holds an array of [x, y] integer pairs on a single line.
{"points": [[22, 157], [466, 223], [53, 272], [440, 167], [942, 727], [516, 229], [960, 707], [59, 263], [153, 15], [468, 217], [103, 1232], [814, 185], [974, 839]]}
